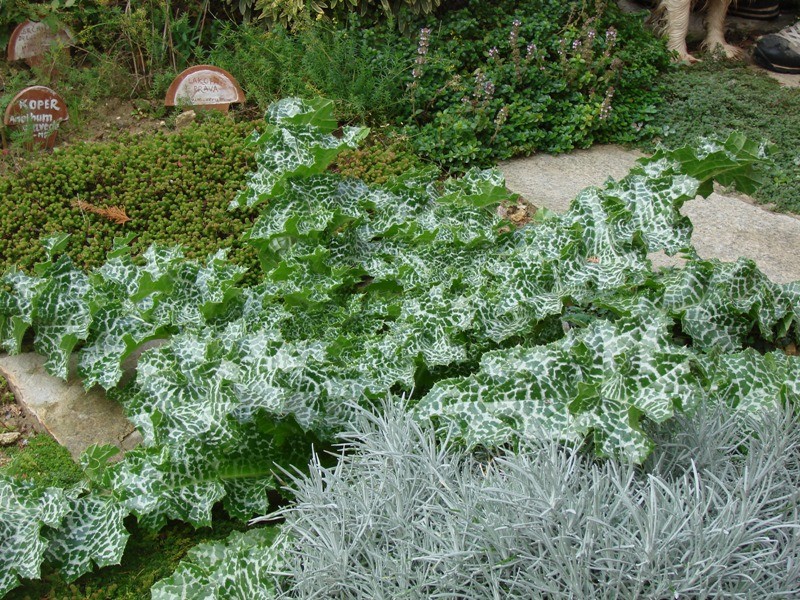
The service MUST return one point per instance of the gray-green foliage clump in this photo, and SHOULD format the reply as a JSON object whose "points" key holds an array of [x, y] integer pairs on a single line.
{"points": [[712, 514], [414, 288]]}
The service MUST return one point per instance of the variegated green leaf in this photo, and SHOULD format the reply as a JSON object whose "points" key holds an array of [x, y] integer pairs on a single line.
{"points": [[185, 482], [239, 567], [433, 326], [297, 143], [299, 112], [477, 188], [116, 331], [91, 534], [61, 314], [196, 292], [731, 162], [719, 304], [750, 382], [54, 245], [157, 486], [25, 511], [16, 307], [309, 207]]}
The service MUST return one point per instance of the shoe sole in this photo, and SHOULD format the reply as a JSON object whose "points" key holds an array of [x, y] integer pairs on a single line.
{"points": [[761, 14], [767, 64]]}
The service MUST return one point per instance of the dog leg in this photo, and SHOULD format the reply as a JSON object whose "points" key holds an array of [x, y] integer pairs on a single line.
{"points": [[715, 26], [677, 14]]}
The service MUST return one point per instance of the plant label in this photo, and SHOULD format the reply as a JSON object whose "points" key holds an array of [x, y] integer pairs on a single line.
{"points": [[204, 86], [40, 109], [31, 40]]}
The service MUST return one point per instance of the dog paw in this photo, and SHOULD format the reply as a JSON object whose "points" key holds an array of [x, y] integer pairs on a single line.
{"points": [[725, 51], [685, 57], [732, 52]]}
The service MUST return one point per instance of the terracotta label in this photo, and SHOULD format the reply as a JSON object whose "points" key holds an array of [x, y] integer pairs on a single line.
{"points": [[39, 108], [204, 85], [31, 40]]}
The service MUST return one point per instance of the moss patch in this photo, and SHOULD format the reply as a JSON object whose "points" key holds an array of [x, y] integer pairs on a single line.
{"points": [[43, 461], [174, 187]]}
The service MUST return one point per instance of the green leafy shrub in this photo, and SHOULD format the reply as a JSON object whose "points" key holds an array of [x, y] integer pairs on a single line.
{"points": [[486, 82], [404, 514], [496, 80], [416, 288], [296, 12]]}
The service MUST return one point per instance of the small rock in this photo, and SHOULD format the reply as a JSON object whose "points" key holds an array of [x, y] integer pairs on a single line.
{"points": [[76, 418], [6, 439], [185, 118]]}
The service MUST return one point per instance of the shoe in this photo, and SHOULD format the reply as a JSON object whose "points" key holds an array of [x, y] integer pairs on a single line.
{"points": [[764, 10], [780, 52]]}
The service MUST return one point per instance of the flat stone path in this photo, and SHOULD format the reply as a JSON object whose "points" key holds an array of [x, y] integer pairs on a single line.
{"points": [[74, 417], [726, 225]]}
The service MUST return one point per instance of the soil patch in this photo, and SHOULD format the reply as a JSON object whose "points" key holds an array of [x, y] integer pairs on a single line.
{"points": [[13, 419]]}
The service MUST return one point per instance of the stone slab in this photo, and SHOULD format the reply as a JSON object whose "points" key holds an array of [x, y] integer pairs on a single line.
{"points": [[74, 417], [726, 225], [785, 79], [7, 439]]}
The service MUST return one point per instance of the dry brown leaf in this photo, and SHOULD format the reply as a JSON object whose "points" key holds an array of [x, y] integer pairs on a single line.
{"points": [[115, 214]]}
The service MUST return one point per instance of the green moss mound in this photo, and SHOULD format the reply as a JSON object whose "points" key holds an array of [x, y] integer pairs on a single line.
{"points": [[42, 461], [174, 187]]}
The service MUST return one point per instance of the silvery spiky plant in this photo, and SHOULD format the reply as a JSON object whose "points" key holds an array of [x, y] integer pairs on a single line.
{"points": [[713, 514]]}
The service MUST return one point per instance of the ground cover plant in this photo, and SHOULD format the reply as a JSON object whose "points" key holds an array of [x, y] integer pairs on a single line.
{"points": [[363, 74], [723, 97], [510, 78], [414, 288], [171, 187]]}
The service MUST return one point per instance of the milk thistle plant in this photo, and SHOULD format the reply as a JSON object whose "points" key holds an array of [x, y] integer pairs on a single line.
{"points": [[558, 332]]}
